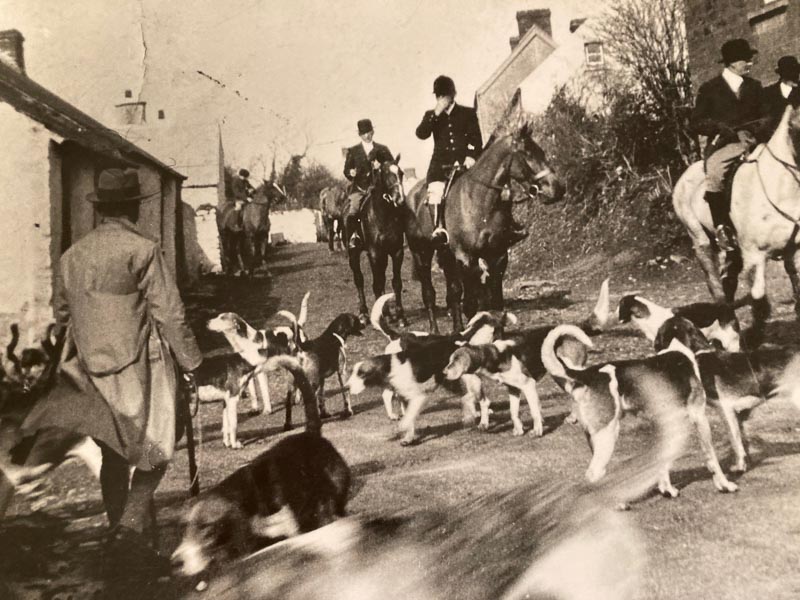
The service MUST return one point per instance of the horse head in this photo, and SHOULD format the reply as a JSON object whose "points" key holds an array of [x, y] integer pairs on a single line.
{"points": [[388, 181], [528, 165]]}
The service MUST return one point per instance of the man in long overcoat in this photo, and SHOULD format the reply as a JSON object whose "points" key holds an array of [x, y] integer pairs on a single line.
{"points": [[125, 326]]}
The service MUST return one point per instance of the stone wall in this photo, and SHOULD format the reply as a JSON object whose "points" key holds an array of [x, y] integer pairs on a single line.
{"points": [[772, 27]]}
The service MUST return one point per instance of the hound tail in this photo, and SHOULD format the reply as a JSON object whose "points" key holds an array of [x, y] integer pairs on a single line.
{"points": [[295, 325], [555, 365], [597, 321], [378, 321], [301, 318], [291, 364]]}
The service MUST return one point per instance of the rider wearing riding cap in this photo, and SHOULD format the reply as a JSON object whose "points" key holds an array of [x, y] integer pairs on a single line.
{"points": [[361, 160], [242, 189], [729, 112], [456, 139], [776, 96]]}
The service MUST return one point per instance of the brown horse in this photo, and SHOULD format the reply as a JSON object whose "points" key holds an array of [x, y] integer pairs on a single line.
{"points": [[475, 260], [255, 218], [333, 205], [382, 222], [231, 238]]}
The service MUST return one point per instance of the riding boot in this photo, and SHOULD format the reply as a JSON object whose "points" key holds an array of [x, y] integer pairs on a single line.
{"points": [[719, 205], [440, 237], [351, 228]]}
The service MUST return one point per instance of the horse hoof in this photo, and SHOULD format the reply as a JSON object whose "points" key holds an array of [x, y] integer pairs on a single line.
{"points": [[324, 414], [346, 414], [287, 426]]}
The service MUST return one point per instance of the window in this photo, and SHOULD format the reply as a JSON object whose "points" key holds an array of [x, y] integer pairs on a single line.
{"points": [[594, 54], [160, 114]]}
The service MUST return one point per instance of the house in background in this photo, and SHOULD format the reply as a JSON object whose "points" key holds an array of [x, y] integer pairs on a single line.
{"points": [[53, 156], [539, 67], [528, 50], [771, 26], [194, 147], [579, 65]]}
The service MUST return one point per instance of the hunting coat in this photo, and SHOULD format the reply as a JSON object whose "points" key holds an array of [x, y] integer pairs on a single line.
{"points": [[242, 189], [357, 159], [455, 136], [125, 327], [719, 113], [773, 105]]}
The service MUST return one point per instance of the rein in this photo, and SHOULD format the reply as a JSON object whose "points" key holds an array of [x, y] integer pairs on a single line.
{"points": [[791, 168], [505, 173]]}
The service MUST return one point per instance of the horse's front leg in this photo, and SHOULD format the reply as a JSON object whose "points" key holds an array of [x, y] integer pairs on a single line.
{"points": [[397, 284], [329, 230], [453, 273], [378, 260], [791, 262], [731, 268], [497, 273], [422, 268], [354, 256], [708, 259], [755, 271]]}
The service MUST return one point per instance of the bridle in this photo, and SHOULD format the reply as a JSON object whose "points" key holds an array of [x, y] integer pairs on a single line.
{"points": [[793, 169], [397, 185], [504, 173]]}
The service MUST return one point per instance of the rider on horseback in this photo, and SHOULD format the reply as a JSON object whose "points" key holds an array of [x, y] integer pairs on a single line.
{"points": [[729, 111], [776, 96], [456, 141], [242, 189], [358, 166]]}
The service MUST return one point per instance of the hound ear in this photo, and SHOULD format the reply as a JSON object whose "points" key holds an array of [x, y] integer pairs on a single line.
{"points": [[397, 159]]}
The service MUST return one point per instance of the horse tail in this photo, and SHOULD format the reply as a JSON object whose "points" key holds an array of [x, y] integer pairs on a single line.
{"points": [[555, 365], [379, 322], [291, 364]]}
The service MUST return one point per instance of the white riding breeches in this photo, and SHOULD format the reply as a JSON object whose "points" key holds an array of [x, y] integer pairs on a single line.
{"points": [[435, 192]]}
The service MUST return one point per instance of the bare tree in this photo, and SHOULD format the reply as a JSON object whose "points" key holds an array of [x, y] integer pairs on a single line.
{"points": [[647, 38]]}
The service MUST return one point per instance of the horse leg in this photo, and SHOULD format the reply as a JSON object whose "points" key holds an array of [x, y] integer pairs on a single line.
{"points": [[354, 256], [471, 283], [378, 260], [422, 267], [707, 258], [497, 273], [754, 268], [455, 287], [329, 229], [731, 269], [397, 285], [790, 263]]}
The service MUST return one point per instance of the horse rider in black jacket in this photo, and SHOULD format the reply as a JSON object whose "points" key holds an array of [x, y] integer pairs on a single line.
{"points": [[729, 112], [359, 164], [776, 96], [456, 141]]}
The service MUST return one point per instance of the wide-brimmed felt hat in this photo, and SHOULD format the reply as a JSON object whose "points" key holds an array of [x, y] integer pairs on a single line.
{"points": [[737, 49], [365, 126], [118, 185], [444, 86], [788, 65]]}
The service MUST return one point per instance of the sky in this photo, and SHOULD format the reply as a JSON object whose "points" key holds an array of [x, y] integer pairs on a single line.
{"points": [[280, 76]]}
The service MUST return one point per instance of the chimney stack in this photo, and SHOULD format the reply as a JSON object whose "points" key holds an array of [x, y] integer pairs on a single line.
{"points": [[12, 49], [539, 17], [575, 23]]}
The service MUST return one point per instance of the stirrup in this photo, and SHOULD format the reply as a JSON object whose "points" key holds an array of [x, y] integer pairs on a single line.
{"points": [[441, 232]]}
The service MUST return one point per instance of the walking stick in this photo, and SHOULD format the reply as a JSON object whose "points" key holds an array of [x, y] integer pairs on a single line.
{"points": [[190, 391]]}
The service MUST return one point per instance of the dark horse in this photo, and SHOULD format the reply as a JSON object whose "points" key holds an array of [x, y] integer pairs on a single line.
{"points": [[231, 237], [255, 219], [332, 205], [382, 224], [475, 260]]}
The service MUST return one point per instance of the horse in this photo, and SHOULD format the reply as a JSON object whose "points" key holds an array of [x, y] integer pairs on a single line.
{"points": [[476, 257], [332, 205], [255, 218], [231, 237], [382, 225], [765, 210]]}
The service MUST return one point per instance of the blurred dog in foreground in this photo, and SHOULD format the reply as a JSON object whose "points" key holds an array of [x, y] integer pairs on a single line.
{"points": [[543, 541]]}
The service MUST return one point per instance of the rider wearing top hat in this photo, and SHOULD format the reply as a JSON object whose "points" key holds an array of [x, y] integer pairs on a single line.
{"points": [[358, 166], [729, 112], [456, 139], [776, 96]]}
